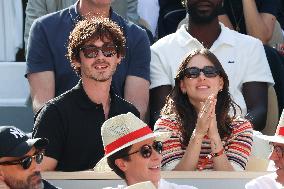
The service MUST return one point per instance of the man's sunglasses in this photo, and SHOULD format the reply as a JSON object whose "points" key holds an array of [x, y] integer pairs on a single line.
{"points": [[92, 51], [147, 150], [26, 161], [194, 72]]}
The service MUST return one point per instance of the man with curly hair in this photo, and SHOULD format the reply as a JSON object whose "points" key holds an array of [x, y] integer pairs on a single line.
{"points": [[73, 120], [48, 70]]}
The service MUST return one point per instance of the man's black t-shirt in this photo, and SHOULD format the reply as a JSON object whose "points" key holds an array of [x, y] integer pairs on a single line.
{"points": [[72, 124]]}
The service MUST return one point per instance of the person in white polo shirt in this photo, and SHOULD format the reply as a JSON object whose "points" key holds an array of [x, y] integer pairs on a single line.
{"points": [[243, 58]]}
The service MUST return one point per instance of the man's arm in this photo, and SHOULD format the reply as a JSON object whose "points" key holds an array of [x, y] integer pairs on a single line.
{"points": [[256, 97], [157, 101], [49, 124], [136, 91], [258, 25], [42, 87]]}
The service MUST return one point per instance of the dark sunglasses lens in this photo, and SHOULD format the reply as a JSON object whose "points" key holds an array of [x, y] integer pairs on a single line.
{"points": [[158, 146], [39, 158], [210, 71], [109, 50], [192, 72], [26, 163], [146, 151], [90, 52]]}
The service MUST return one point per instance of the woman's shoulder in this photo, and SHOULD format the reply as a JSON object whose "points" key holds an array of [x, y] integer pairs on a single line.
{"points": [[240, 124], [167, 121]]}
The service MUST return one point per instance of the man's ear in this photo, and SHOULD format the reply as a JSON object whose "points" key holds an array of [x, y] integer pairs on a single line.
{"points": [[121, 164], [119, 58], [76, 63], [1, 174]]}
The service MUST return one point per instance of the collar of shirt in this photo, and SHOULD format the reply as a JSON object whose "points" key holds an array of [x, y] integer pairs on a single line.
{"points": [[185, 39], [226, 37], [85, 102]]}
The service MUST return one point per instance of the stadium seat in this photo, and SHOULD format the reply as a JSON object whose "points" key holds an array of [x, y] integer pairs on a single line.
{"points": [[14, 88]]}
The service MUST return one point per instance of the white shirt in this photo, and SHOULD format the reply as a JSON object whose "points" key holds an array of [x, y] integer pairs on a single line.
{"points": [[11, 27], [162, 185], [264, 182], [242, 57], [149, 11]]}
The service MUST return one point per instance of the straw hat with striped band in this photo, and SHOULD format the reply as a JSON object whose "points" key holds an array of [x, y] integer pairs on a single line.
{"points": [[122, 131], [279, 134]]}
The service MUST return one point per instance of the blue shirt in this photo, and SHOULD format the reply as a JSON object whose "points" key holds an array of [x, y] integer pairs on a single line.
{"points": [[47, 49]]}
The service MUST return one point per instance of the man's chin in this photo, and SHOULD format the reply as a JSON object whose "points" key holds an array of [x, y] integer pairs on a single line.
{"points": [[38, 185], [36, 182], [280, 176]]}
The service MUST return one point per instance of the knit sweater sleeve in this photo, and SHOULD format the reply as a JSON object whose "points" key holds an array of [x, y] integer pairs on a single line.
{"points": [[239, 144], [172, 148]]}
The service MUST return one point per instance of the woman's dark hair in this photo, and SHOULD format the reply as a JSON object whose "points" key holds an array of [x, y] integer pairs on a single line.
{"points": [[123, 153], [179, 106], [93, 29]]}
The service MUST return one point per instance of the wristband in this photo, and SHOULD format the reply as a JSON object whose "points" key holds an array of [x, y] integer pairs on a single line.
{"points": [[217, 154], [208, 157]]}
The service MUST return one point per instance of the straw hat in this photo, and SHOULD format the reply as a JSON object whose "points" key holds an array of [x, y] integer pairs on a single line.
{"points": [[142, 185], [122, 131], [279, 135]]}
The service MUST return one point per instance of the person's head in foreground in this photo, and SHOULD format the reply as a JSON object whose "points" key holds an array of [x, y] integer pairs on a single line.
{"points": [[20, 158], [132, 149], [277, 149]]}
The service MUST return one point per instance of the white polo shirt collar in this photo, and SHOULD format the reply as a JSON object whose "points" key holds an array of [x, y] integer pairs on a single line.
{"points": [[184, 38]]}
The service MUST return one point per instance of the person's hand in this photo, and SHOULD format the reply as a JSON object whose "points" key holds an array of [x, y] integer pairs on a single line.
{"points": [[280, 48], [205, 116], [3, 185], [213, 129]]}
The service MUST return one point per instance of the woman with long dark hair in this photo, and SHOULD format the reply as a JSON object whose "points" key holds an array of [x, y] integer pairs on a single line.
{"points": [[206, 131]]}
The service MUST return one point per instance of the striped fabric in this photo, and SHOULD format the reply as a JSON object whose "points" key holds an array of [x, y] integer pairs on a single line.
{"points": [[237, 146]]}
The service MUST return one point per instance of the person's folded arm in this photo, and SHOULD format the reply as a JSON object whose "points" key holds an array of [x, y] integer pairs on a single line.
{"points": [[256, 97], [157, 101], [42, 87], [137, 92], [258, 25]]}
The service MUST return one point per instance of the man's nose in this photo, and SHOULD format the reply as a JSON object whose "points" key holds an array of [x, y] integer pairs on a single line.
{"points": [[273, 155], [155, 155], [100, 54]]}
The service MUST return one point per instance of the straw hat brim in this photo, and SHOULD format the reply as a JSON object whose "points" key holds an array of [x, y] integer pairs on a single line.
{"points": [[102, 165], [275, 138]]}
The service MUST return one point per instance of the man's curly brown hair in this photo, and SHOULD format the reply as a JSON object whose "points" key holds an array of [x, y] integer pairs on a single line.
{"points": [[94, 29]]}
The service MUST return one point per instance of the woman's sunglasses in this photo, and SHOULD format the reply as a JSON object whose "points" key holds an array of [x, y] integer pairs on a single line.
{"points": [[194, 72], [92, 51], [26, 161], [147, 150]]}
